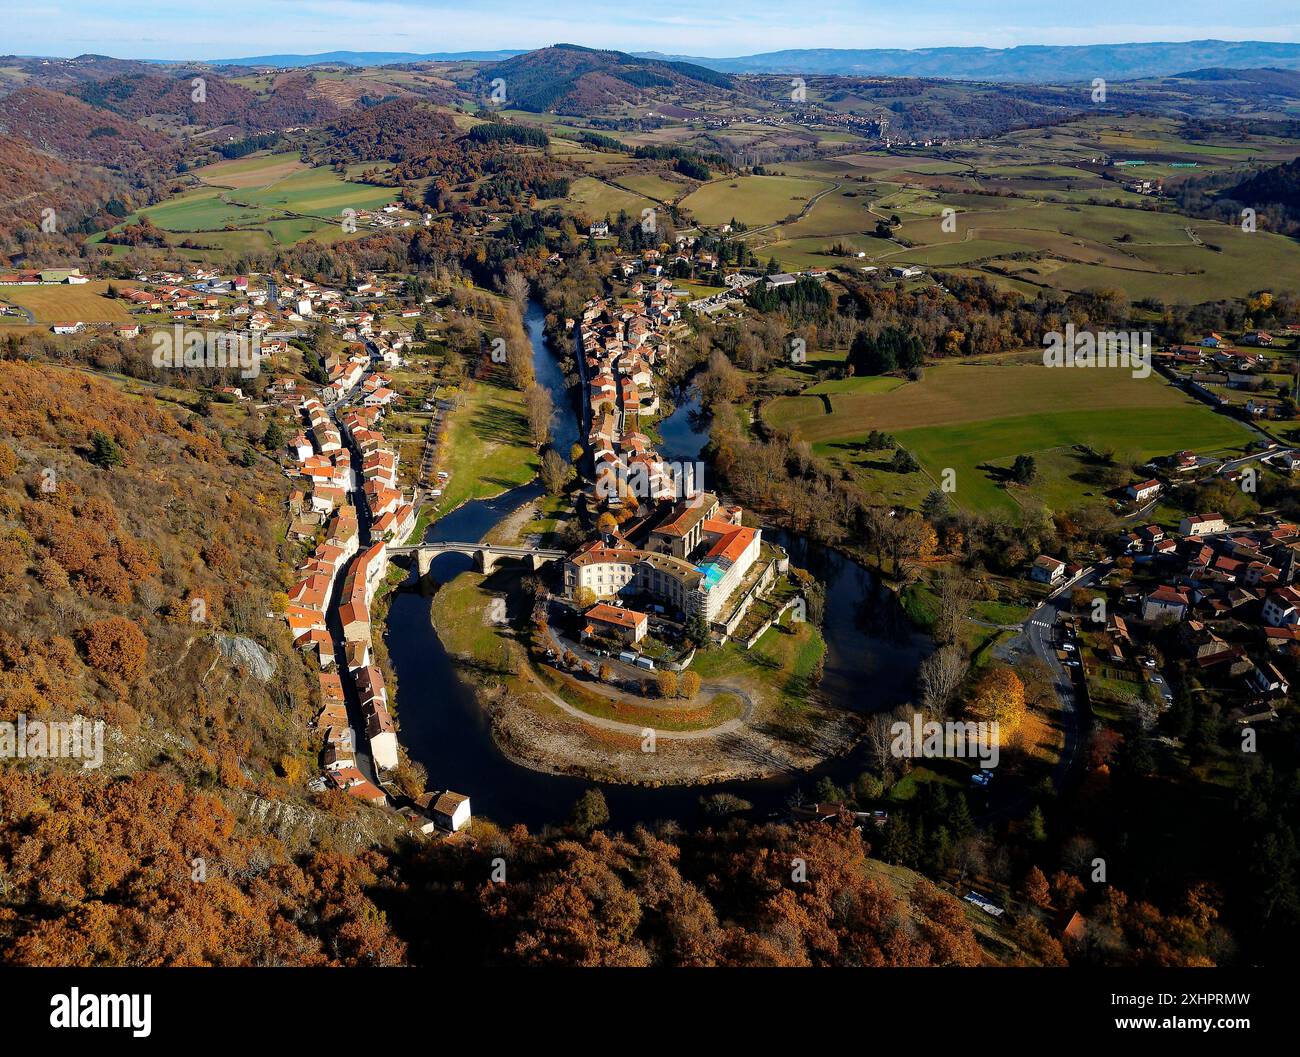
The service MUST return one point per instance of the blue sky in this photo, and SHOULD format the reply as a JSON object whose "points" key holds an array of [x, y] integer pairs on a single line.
{"points": [[211, 29]]}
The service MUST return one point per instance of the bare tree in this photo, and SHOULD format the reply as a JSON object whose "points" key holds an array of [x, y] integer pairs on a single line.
{"points": [[538, 406], [955, 593], [969, 858], [878, 741], [939, 677], [516, 287]]}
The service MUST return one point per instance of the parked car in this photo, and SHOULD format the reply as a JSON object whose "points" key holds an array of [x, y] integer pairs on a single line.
{"points": [[981, 777], [1148, 662], [1068, 647]]}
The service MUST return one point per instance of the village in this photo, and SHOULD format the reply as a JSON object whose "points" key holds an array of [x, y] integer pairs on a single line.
{"points": [[348, 502], [366, 510], [668, 552], [1210, 607]]}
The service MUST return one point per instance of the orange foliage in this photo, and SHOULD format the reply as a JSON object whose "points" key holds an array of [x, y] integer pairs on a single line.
{"points": [[117, 647]]}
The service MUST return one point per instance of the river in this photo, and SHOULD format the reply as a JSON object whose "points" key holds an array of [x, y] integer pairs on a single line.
{"points": [[870, 664]]}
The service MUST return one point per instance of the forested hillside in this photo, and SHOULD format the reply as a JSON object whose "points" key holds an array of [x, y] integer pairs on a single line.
{"points": [[131, 540]]}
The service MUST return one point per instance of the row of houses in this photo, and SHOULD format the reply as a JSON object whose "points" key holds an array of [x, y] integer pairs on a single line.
{"points": [[392, 517], [621, 345], [326, 467]]}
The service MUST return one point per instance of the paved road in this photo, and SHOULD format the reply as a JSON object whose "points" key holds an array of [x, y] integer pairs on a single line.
{"points": [[31, 317], [1039, 635], [1040, 632], [730, 726], [1232, 464]]}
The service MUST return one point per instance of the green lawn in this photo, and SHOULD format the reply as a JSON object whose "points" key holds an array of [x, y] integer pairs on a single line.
{"points": [[978, 450], [261, 213], [487, 449], [972, 419]]}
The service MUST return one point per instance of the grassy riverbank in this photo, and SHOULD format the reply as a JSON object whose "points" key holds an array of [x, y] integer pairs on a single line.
{"points": [[486, 449]]}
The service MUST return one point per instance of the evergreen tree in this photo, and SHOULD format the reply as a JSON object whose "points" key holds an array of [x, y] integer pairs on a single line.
{"points": [[104, 451], [590, 811], [1035, 826], [273, 438], [938, 850], [960, 819], [896, 847]]}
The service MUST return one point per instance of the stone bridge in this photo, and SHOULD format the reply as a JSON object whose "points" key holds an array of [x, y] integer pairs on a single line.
{"points": [[485, 555]]}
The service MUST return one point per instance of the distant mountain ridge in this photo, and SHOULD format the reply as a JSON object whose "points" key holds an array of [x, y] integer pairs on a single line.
{"points": [[1024, 63], [365, 58]]}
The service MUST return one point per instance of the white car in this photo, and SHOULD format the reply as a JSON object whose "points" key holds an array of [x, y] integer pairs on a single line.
{"points": [[1068, 647], [1148, 662]]}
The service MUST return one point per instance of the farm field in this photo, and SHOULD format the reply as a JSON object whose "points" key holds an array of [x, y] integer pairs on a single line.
{"points": [[596, 199], [257, 170], [971, 418], [1070, 247], [317, 191], [254, 208], [753, 200], [654, 185], [865, 384], [1048, 217], [55, 304]]}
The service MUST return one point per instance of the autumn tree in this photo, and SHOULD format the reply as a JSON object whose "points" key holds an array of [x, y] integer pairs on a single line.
{"points": [[666, 684], [555, 472], [538, 409], [1036, 889], [688, 685], [999, 697], [516, 288], [116, 647]]}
